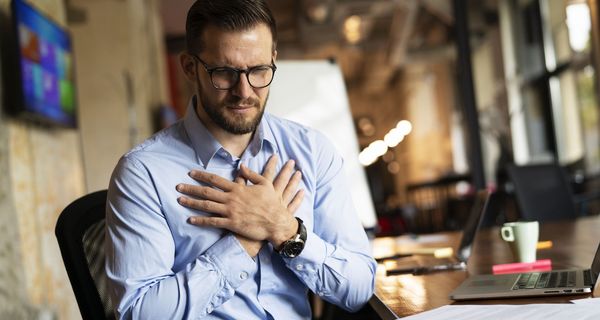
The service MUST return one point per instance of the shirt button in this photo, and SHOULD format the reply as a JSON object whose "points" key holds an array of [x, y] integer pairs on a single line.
{"points": [[244, 275], [209, 309], [299, 267]]}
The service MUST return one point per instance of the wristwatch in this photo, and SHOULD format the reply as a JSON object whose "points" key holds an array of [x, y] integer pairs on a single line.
{"points": [[293, 247]]}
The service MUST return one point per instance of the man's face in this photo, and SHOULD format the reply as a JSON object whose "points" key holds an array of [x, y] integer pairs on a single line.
{"points": [[239, 109]]}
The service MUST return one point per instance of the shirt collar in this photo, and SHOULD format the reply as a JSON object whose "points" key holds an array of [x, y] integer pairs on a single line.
{"points": [[206, 146], [263, 134]]}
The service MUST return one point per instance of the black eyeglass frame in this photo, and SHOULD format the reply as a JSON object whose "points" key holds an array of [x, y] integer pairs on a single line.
{"points": [[210, 71]]}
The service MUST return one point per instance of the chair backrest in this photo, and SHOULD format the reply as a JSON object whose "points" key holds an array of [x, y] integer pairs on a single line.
{"points": [[80, 234], [543, 192]]}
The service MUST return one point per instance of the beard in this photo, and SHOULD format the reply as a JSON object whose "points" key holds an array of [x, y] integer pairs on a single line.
{"points": [[233, 123]]}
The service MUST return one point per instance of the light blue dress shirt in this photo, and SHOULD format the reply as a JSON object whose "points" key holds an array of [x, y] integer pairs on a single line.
{"points": [[161, 267]]}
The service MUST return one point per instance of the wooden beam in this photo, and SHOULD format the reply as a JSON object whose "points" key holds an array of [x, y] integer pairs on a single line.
{"points": [[401, 29], [442, 9]]}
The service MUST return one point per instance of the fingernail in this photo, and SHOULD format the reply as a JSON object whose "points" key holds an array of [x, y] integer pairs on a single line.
{"points": [[180, 200], [191, 220], [178, 187]]}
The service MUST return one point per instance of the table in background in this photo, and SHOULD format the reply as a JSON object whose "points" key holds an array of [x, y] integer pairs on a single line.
{"points": [[574, 245]]}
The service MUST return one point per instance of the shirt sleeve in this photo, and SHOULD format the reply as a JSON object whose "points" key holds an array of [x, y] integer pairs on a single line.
{"points": [[336, 262], [140, 252]]}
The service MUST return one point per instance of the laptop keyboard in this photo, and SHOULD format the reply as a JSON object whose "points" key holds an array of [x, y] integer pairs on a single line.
{"points": [[542, 280]]}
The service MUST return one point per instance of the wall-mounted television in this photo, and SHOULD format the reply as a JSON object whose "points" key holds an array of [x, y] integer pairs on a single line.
{"points": [[38, 67]]}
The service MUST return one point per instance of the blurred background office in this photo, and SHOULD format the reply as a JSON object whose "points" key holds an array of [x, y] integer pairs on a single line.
{"points": [[444, 95]]}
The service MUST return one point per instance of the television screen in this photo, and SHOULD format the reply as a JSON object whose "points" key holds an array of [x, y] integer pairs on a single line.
{"points": [[44, 67]]}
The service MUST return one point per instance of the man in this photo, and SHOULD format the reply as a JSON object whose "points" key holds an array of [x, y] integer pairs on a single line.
{"points": [[195, 232]]}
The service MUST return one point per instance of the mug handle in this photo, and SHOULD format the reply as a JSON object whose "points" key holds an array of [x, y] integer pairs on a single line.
{"points": [[507, 234]]}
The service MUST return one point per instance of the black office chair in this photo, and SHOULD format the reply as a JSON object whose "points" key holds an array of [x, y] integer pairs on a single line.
{"points": [[80, 234], [543, 192]]}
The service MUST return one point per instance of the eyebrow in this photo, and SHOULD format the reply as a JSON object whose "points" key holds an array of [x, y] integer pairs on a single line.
{"points": [[226, 63], [237, 68]]}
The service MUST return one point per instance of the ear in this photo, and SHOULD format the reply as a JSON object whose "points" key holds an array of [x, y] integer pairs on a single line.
{"points": [[188, 65], [274, 57]]}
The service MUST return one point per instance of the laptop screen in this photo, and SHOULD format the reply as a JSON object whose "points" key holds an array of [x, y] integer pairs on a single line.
{"points": [[596, 264], [476, 216]]}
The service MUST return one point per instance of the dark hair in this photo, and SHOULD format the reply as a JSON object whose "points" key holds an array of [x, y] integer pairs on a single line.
{"points": [[230, 15]]}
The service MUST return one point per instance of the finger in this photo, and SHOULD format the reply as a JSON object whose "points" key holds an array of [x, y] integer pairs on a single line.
{"points": [[203, 205], [240, 180], [252, 176], [212, 179], [206, 193], [291, 187], [295, 204], [270, 168], [216, 222], [284, 175]]}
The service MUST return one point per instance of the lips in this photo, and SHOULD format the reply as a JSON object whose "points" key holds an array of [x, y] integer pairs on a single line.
{"points": [[241, 107], [242, 103], [241, 110]]}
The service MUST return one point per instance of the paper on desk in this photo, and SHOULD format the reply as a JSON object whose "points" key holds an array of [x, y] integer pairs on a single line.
{"points": [[587, 301], [510, 312]]}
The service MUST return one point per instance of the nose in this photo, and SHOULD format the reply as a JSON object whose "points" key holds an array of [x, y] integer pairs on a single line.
{"points": [[243, 89]]}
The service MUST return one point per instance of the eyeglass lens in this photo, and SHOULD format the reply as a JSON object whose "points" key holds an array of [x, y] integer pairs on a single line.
{"points": [[227, 78]]}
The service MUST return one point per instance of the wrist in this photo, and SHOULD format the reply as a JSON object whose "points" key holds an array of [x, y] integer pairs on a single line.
{"points": [[285, 233], [292, 247], [252, 247]]}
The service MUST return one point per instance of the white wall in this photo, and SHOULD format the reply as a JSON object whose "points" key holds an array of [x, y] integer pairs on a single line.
{"points": [[313, 93], [118, 39]]}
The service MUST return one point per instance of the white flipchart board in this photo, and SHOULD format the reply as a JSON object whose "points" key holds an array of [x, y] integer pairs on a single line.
{"points": [[313, 93]]}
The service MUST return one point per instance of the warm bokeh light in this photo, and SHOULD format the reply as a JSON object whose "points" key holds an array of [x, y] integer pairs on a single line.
{"points": [[352, 29], [379, 147], [393, 167], [579, 24], [393, 138], [404, 126], [366, 159]]}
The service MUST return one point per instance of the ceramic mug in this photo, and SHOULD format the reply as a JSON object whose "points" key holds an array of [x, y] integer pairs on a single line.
{"points": [[522, 237]]}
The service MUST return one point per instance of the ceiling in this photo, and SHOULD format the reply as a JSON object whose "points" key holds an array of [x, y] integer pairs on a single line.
{"points": [[307, 24], [391, 33]]}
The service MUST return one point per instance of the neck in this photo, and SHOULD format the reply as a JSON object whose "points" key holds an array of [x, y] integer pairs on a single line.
{"points": [[235, 144]]}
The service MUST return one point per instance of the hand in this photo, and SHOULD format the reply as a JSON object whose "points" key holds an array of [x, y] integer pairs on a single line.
{"points": [[252, 247], [263, 211]]}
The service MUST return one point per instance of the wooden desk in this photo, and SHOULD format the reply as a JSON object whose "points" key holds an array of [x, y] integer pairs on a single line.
{"points": [[574, 245]]}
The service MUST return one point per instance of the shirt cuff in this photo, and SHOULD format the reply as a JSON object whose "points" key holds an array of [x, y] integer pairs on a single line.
{"points": [[232, 260], [310, 261]]}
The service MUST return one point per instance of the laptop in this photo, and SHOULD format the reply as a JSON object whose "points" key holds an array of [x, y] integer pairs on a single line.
{"points": [[557, 282], [476, 216]]}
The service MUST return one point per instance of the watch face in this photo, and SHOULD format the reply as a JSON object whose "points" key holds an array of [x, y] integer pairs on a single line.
{"points": [[293, 248]]}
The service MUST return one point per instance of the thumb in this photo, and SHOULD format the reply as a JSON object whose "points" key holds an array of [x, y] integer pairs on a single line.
{"points": [[251, 176]]}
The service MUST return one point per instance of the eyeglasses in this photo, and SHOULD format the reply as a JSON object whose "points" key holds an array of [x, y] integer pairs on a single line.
{"points": [[225, 78]]}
